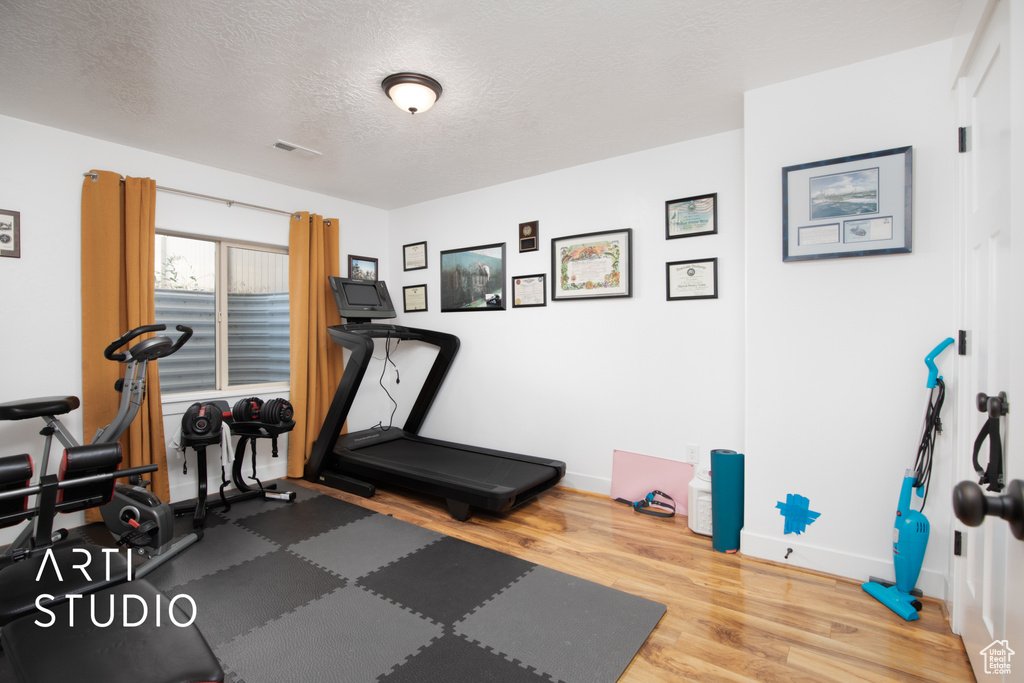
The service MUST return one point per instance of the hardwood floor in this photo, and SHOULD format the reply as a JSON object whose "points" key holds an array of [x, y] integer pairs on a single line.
{"points": [[730, 618]]}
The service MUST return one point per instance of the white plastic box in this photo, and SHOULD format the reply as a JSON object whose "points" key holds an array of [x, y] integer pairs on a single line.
{"points": [[698, 506]]}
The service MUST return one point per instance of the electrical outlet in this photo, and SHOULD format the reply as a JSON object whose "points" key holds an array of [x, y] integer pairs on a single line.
{"points": [[693, 454]]}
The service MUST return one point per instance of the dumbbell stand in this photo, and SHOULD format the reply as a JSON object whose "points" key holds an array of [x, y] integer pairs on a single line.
{"points": [[249, 432]]}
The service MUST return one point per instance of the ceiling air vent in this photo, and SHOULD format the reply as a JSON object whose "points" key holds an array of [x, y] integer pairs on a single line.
{"points": [[297, 149]]}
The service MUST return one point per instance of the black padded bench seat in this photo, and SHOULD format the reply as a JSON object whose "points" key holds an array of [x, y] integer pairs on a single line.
{"points": [[117, 653], [38, 407]]}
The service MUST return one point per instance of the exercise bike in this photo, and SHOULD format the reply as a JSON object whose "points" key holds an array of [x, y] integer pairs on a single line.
{"points": [[136, 517]]}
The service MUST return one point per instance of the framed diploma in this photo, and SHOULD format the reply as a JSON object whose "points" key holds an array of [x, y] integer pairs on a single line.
{"points": [[414, 298], [691, 216], [697, 279], [528, 236], [529, 290], [850, 206], [10, 233], [594, 265], [414, 256]]}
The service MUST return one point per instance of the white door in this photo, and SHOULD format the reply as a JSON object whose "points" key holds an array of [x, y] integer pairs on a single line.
{"points": [[988, 598]]}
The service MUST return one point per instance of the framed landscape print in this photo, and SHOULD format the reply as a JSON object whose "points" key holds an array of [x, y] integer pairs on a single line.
{"points": [[850, 206], [362, 268], [473, 279]]}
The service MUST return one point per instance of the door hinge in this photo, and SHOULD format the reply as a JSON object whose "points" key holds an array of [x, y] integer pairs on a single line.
{"points": [[961, 347], [958, 543], [962, 139]]}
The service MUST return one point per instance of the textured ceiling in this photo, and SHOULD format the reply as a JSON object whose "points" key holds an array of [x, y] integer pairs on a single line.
{"points": [[530, 86]]}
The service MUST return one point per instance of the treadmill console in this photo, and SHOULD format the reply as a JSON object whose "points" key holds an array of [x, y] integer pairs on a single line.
{"points": [[361, 300]]}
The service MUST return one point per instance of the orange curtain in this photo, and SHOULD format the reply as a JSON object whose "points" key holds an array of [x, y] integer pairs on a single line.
{"points": [[316, 361], [118, 236]]}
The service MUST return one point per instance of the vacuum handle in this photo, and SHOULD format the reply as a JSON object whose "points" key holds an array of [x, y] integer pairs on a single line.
{"points": [[929, 360], [971, 505]]}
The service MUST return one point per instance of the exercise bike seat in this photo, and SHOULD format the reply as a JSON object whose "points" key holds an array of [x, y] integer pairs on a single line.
{"points": [[38, 407]]}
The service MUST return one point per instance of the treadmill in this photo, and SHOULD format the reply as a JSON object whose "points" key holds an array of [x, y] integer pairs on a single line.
{"points": [[465, 476]]}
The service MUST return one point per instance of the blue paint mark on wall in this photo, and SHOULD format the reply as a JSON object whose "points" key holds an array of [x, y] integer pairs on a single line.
{"points": [[797, 512]]}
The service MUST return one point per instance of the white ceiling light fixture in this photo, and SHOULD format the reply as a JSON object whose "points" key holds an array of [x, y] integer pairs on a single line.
{"points": [[411, 92]]}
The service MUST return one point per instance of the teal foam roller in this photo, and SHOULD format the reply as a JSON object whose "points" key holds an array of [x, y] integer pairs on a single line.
{"points": [[726, 500]]}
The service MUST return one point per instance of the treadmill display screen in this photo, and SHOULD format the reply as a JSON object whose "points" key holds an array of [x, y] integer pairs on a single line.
{"points": [[361, 300], [361, 295]]}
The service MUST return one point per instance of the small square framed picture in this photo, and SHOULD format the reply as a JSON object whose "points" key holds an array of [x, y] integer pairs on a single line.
{"points": [[10, 233], [691, 216], [529, 290], [414, 256], [362, 268], [414, 298], [695, 279]]}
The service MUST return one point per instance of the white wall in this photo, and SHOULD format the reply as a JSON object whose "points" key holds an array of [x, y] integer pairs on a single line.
{"points": [[835, 349], [576, 380], [812, 369], [41, 176]]}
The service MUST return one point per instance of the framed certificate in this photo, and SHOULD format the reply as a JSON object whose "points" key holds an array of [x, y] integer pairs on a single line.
{"points": [[414, 256], [696, 279], [691, 216], [529, 290], [414, 298], [594, 265]]}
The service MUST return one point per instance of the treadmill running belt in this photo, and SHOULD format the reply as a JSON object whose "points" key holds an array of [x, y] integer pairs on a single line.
{"points": [[454, 463]]}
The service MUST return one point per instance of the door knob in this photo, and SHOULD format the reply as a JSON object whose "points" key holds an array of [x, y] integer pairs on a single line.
{"points": [[971, 505], [995, 406]]}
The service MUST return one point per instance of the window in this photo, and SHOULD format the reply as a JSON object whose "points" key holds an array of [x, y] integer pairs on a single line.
{"points": [[235, 298]]}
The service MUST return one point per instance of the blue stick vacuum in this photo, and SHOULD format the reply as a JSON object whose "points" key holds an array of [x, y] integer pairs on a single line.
{"points": [[910, 535]]}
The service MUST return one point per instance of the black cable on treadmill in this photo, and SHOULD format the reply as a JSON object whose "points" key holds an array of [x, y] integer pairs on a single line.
{"points": [[384, 369]]}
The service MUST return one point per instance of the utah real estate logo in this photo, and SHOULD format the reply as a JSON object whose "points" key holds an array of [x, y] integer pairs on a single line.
{"points": [[997, 657]]}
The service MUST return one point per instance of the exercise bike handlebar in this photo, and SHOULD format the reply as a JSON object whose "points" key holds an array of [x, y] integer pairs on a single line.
{"points": [[108, 353]]}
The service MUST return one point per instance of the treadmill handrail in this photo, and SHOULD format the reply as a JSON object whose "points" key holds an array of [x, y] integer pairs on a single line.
{"points": [[358, 338]]}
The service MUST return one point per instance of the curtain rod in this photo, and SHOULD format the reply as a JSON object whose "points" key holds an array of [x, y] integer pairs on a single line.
{"points": [[229, 202]]}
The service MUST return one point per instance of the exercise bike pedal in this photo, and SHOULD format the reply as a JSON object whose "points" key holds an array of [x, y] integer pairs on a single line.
{"points": [[138, 536]]}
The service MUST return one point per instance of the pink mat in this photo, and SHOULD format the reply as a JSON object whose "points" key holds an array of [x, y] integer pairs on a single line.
{"points": [[635, 475]]}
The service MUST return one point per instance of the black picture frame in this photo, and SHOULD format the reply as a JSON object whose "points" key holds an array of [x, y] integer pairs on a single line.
{"points": [[414, 293], [473, 278], [529, 291], [10, 233], [691, 279], [859, 205], [362, 268], [691, 216], [414, 256], [592, 279]]}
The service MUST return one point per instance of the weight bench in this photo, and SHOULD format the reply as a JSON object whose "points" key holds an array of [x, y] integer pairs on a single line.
{"points": [[120, 652], [107, 628], [86, 478]]}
